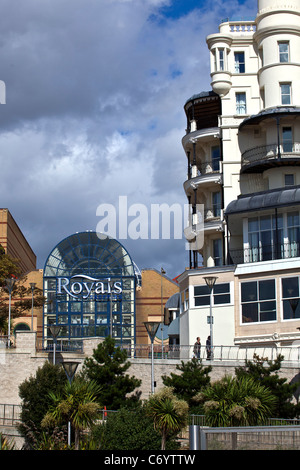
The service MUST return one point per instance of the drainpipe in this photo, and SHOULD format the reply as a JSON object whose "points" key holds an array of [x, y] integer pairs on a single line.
{"points": [[278, 137]]}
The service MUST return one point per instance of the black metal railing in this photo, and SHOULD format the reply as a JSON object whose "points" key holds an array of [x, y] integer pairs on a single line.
{"points": [[271, 153], [265, 253], [9, 414], [206, 168]]}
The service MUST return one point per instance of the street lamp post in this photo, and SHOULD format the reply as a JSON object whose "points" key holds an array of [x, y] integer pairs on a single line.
{"points": [[210, 282], [162, 272], [32, 285], [9, 284], [55, 330], [70, 368], [110, 284], [152, 327]]}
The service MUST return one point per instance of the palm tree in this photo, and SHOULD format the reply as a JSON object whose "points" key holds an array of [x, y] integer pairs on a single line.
{"points": [[76, 405], [169, 414], [236, 402]]}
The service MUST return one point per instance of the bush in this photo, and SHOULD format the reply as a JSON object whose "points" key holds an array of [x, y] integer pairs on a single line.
{"points": [[34, 393], [129, 430]]}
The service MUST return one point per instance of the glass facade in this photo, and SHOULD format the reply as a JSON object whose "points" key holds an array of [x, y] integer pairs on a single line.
{"points": [[89, 286]]}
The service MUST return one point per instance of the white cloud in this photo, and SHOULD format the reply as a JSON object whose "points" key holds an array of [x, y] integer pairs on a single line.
{"points": [[95, 95]]}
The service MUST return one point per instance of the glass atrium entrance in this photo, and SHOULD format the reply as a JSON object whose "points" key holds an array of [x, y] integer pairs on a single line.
{"points": [[89, 286]]}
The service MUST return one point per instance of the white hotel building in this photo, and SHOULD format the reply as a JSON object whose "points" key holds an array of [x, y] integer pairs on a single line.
{"points": [[243, 155]]}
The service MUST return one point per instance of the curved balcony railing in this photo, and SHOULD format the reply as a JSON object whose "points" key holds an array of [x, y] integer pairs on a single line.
{"points": [[212, 212], [268, 155], [206, 168]]}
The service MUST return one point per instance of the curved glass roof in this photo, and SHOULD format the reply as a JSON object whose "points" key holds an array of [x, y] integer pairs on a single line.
{"points": [[89, 253]]}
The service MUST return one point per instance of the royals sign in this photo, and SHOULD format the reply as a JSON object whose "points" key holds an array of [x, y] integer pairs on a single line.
{"points": [[82, 286]]}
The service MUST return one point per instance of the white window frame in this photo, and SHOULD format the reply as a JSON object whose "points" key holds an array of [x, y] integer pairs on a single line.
{"points": [[286, 298], [282, 54], [258, 301], [240, 105], [239, 64], [283, 93], [230, 293]]}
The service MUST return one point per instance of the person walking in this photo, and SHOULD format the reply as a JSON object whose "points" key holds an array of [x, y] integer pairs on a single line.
{"points": [[208, 347], [197, 348]]}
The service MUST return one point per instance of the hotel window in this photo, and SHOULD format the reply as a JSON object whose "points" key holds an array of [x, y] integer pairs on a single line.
{"points": [[283, 48], [285, 91], [239, 62], [290, 298], [216, 204], [220, 56], [258, 301], [221, 295], [184, 300], [217, 252], [215, 158], [287, 139], [293, 232], [240, 103], [289, 180], [221, 60], [265, 238]]}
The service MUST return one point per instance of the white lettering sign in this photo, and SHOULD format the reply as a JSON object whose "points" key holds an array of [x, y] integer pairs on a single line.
{"points": [[86, 285]]}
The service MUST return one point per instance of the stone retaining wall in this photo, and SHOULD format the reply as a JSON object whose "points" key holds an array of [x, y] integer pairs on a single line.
{"points": [[22, 361]]}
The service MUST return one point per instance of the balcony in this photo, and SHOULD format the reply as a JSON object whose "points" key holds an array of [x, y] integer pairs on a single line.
{"points": [[265, 253], [202, 111], [203, 174], [258, 159]]}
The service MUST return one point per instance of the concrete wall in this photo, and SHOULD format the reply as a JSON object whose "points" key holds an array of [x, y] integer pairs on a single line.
{"points": [[21, 362]]}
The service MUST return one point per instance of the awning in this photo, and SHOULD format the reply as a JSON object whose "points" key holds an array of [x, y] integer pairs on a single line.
{"points": [[264, 200], [173, 302], [174, 327], [276, 112]]}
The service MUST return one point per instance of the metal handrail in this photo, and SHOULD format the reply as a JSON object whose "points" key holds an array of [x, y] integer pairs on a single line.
{"points": [[265, 253], [271, 152], [62, 345], [232, 353]]}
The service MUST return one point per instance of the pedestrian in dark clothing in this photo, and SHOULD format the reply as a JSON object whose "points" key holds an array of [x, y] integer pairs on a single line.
{"points": [[197, 348], [208, 347]]}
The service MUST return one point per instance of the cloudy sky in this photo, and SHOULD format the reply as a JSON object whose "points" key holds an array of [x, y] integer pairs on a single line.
{"points": [[95, 91]]}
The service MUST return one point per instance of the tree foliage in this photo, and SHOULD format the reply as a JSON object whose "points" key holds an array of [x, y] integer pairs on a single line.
{"points": [[265, 372], [9, 267], [107, 367], [76, 404], [192, 379], [169, 413], [236, 402], [129, 429], [34, 393]]}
